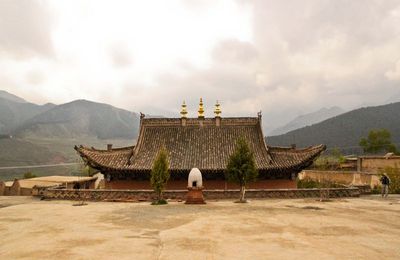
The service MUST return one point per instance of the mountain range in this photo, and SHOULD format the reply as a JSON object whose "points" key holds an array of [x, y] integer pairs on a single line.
{"points": [[308, 119], [79, 118], [345, 131], [84, 119]]}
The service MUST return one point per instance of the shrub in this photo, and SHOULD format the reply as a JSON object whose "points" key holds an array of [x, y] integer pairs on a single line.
{"points": [[308, 183], [241, 168], [29, 175], [159, 202], [160, 175]]}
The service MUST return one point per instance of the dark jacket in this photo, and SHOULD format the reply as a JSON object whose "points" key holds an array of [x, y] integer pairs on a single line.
{"points": [[385, 180]]}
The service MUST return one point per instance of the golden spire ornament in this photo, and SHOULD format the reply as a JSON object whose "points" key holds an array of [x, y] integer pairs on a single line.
{"points": [[217, 110], [184, 110], [201, 109]]}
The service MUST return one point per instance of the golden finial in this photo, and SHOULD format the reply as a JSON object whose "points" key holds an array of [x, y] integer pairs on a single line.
{"points": [[201, 109], [217, 110], [183, 111]]}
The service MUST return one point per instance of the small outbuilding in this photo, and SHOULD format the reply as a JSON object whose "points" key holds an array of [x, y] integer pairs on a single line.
{"points": [[33, 186]]}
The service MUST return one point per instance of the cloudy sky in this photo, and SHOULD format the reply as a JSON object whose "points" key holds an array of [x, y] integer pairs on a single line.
{"points": [[285, 58]]}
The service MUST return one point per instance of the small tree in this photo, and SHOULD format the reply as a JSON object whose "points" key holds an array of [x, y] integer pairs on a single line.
{"points": [[160, 174], [241, 168], [378, 140]]}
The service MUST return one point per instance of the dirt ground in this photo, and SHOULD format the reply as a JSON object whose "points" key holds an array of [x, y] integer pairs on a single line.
{"points": [[361, 228]]}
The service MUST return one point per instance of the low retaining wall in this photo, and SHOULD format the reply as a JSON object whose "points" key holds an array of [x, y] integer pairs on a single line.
{"points": [[342, 177], [149, 195]]}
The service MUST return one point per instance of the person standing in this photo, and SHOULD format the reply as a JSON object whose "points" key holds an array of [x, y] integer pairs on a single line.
{"points": [[385, 185]]}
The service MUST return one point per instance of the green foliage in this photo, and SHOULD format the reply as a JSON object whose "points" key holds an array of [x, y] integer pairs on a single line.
{"points": [[327, 162], [308, 183], [378, 140], [337, 154], [241, 167], [394, 175], [159, 202], [29, 175], [160, 173], [86, 170]]}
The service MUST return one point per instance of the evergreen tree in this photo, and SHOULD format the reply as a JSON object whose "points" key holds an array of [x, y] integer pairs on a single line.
{"points": [[160, 174], [378, 140], [241, 168]]}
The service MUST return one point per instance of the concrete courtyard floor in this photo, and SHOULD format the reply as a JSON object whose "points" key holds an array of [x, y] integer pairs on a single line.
{"points": [[359, 228]]}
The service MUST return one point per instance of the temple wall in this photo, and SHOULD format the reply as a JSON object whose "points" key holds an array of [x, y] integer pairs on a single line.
{"points": [[342, 177], [180, 195], [208, 184], [374, 164]]}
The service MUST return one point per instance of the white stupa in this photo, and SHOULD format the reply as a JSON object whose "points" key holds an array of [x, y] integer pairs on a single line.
{"points": [[195, 179]]}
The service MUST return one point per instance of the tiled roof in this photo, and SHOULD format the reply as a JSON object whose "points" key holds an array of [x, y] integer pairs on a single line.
{"points": [[205, 146]]}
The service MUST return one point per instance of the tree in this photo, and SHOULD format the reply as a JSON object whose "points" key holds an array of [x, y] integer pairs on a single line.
{"points": [[241, 168], [160, 174], [378, 140]]}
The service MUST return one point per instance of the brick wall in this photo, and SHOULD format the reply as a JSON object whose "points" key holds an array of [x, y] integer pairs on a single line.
{"points": [[208, 184], [148, 195]]}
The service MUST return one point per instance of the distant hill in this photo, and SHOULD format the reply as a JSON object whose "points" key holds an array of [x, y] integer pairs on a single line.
{"points": [[22, 152], [13, 112], [82, 118], [345, 130], [308, 119], [11, 97]]}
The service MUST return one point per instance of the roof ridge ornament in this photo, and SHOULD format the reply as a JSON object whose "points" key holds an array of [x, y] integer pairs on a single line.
{"points": [[184, 110], [201, 109], [217, 110]]}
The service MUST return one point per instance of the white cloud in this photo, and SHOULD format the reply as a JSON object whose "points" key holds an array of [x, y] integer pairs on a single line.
{"points": [[394, 74], [285, 58]]}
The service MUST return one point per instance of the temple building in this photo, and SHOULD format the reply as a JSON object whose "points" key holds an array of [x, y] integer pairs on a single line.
{"points": [[203, 143]]}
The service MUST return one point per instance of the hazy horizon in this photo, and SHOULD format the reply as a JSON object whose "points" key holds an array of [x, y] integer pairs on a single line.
{"points": [[285, 58]]}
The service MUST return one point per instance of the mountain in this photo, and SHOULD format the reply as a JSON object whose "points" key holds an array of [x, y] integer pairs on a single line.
{"points": [[82, 118], [14, 111], [11, 97], [308, 119], [345, 131], [394, 98]]}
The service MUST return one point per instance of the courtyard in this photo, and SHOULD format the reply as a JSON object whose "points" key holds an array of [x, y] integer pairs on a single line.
{"points": [[356, 228]]}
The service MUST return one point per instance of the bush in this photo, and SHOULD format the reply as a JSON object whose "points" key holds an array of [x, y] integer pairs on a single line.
{"points": [[309, 183], [324, 163], [29, 175], [160, 175], [159, 202]]}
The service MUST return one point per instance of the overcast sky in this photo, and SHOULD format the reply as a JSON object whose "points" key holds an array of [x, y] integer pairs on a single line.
{"points": [[282, 57]]}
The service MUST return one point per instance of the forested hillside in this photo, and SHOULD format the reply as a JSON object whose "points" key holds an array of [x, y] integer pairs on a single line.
{"points": [[344, 131]]}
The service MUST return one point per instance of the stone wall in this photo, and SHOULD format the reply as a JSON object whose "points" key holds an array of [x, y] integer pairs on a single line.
{"points": [[342, 177], [149, 195]]}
